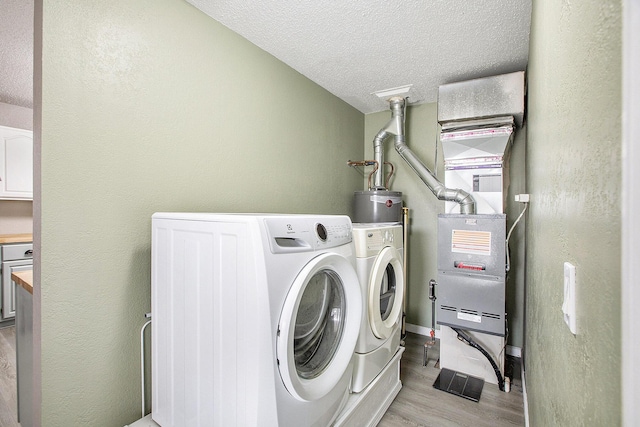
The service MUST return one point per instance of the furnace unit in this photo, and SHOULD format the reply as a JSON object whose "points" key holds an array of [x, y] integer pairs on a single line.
{"points": [[471, 272], [478, 119]]}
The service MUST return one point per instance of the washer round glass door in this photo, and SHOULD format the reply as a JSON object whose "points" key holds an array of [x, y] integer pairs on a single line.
{"points": [[386, 291], [319, 327]]}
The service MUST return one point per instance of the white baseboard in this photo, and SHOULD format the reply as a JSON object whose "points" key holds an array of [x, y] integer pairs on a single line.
{"points": [[524, 397], [423, 330]]}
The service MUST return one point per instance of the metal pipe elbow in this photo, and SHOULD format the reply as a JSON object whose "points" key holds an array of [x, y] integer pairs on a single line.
{"points": [[467, 203], [465, 200], [378, 140]]}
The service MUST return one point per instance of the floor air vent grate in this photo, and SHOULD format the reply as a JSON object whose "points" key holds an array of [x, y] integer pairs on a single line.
{"points": [[462, 385]]}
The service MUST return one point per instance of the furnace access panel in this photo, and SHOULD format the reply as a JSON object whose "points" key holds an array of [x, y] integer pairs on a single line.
{"points": [[472, 272]]}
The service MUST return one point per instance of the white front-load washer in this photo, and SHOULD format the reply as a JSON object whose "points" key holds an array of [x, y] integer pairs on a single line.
{"points": [[379, 250], [255, 319]]}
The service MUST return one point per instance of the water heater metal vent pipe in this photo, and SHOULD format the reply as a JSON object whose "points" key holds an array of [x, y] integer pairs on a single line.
{"points": [[395, 127]]}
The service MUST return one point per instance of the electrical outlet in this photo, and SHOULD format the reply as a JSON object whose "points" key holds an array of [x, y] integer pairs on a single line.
{"points": [[522, 198]]}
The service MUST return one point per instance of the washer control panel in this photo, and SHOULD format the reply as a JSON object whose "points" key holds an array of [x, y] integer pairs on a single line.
{"points": [[336, 233], [297, 233], [371, 238]]}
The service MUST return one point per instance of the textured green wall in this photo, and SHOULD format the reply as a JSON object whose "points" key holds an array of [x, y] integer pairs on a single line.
{"points": [[573, 154], [153, 106], [422, 134]]}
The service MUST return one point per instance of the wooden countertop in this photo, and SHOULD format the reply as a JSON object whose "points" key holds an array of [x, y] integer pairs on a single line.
{"points": [[24, 278], [16, 238]]}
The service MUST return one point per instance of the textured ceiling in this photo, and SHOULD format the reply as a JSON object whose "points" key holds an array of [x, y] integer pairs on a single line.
{"points": [[16, 52], [351, 48], [354, 48]]}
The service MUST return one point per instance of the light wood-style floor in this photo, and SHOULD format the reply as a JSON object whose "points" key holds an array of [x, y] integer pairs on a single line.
{"points": [[419, 404], [8, 399]]}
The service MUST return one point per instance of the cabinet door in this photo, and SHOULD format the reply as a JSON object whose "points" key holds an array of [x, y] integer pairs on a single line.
{"points": [[24, 356], [16, 164], [9, 286]]}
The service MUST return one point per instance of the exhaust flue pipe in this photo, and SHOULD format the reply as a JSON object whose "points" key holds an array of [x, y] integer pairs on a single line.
{"points": [[396, 127]]}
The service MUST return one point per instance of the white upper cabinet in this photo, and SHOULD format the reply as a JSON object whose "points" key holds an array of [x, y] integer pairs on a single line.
{"points": [[16, 164]]}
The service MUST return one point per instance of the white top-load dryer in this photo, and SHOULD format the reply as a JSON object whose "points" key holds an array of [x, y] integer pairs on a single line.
{"points": [[380, 270], [255, 319]]}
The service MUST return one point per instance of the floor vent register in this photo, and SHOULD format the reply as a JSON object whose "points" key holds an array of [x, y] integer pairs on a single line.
{"points": [[462, 385]]}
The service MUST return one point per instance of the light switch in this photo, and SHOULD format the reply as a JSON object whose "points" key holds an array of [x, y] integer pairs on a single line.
{"points": [[569, 303]]}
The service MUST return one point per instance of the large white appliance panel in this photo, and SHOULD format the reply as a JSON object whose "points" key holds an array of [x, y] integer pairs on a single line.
{"points": [[379, 265], [458, 356], [198, 297], [377, 247], [366, 409], [219, 285], [367, 366]]}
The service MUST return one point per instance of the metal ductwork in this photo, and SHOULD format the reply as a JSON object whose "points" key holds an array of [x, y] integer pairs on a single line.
{"points": [[478, 121], [395, 127]]}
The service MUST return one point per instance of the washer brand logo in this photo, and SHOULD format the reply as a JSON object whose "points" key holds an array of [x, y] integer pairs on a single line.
{"points": [[289, 227]]}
